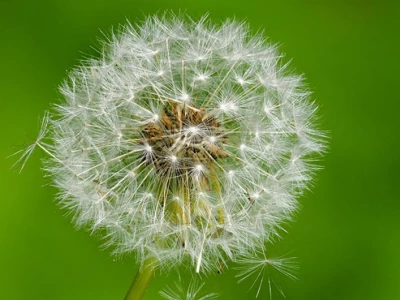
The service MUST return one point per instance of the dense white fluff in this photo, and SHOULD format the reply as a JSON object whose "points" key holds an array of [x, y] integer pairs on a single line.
{"points": [[184, 141]]}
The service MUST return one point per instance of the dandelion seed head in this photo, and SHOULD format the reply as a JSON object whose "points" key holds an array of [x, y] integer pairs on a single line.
{"points": [[185, 141]]}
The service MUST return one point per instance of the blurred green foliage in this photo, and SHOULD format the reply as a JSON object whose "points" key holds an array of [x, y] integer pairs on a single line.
{"points": [[346, 236]]}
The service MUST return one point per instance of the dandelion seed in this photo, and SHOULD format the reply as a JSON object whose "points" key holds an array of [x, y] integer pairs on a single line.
{"points": [[194, 291], [258, 269], [27, 152]]}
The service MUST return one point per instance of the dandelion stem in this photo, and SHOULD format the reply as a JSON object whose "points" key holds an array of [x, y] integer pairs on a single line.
{"points": [[142, 280]]}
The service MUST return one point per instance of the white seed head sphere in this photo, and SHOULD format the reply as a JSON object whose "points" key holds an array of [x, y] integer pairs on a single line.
{"points": [[186, 141]]}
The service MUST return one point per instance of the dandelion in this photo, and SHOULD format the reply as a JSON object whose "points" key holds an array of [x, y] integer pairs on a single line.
{"points": [[185, 142]]}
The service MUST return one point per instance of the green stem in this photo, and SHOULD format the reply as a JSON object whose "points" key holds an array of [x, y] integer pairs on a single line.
{"points": [[142, 280]]}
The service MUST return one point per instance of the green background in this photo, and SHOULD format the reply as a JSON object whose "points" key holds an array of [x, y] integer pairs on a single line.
{"points": [[346, 237]]}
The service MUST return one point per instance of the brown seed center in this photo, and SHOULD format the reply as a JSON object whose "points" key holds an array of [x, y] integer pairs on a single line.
{"points": [[183, 139]]}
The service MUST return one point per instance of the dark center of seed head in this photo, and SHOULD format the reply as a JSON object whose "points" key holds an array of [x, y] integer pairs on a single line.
{"points": [[181, 140]]}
